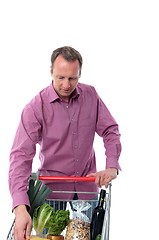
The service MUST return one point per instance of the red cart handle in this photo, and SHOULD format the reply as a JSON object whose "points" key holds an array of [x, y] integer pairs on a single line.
{"points": [[67, 178]]}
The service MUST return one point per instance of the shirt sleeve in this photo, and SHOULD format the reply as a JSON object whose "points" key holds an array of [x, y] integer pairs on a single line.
{"points": [[22, 153], [108, 129]]}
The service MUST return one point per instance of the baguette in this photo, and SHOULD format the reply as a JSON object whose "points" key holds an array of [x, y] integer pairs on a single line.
{"points": [[34, 237]]}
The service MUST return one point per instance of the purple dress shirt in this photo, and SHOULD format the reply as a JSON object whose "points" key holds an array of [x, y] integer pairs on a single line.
{"points": [[65, 133]]}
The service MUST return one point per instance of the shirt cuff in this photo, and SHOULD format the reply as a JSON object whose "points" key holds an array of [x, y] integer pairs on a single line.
{"points": [[20, 198], [112, 163]]}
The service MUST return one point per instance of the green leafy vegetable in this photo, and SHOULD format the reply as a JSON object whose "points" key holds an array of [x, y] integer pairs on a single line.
{"points": [[41, 216], [59, 220], [98, 237], [46, 216], [37, 193]]}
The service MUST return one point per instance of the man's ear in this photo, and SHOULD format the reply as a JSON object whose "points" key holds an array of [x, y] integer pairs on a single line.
{"points": [[51, 71]]}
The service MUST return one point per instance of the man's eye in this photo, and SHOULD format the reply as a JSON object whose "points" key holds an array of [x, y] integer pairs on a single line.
{"points": [[73, 78]]}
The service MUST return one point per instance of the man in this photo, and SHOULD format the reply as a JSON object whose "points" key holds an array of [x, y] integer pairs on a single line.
{"points": [[63, 119]]}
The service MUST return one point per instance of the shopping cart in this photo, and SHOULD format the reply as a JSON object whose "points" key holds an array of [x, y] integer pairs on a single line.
{"points": [[69, 204]]}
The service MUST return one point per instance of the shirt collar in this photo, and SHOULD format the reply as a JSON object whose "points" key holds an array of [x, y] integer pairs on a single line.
{"points": [[53, 96]]}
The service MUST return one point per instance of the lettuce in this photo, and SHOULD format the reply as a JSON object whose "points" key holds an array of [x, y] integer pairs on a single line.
{"points": [[59, 220], [41, 217], [45, 216]]}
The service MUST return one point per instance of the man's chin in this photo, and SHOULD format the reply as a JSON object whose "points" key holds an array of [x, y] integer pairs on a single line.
{"points": [[65, 94]]}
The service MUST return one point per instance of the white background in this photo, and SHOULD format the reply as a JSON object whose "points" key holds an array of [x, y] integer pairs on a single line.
{"points": [[119, 42]]}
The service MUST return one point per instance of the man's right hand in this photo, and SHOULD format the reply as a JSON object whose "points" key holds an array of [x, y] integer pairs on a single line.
{"points": [[23, 223]]}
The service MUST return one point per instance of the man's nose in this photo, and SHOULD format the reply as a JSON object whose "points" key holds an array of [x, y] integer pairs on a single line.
{"points": [[66, 83]]}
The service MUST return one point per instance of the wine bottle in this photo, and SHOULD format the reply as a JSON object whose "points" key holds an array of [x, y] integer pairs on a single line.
{"points": [[98, 216]]}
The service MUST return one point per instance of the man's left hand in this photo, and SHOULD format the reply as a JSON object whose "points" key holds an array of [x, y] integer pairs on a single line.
{"points": [[104, 177]]}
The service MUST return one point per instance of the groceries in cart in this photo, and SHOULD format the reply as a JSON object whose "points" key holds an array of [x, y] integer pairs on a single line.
{"points": [[67, 219], [79, 226], [46, 217], [98, 217]]}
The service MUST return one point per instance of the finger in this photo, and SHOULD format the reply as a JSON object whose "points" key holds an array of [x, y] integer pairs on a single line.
{"points": [[28, 232], [91, 175], [18, 235], [106, 181], [15, 234], [28, 237], [98, 180], [106, 185]]}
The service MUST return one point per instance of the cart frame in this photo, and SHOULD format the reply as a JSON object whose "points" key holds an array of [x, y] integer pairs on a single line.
{"points": [[106, 222]]}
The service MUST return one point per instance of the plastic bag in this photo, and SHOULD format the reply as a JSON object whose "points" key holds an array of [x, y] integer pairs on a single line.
{"points": [[79, 226]]}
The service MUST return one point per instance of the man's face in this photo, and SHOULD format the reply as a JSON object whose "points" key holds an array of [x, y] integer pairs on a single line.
{"points": [[65, 77]]}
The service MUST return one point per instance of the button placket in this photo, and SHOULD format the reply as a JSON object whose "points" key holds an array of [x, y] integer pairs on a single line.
{"points": [[75, 146]]}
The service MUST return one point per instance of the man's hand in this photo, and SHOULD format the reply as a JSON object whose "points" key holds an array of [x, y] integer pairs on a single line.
{"points": [[103, 178], [23, 223]]}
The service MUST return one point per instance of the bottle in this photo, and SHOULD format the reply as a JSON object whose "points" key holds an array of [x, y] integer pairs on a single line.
{"points": [[98, 217]]}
